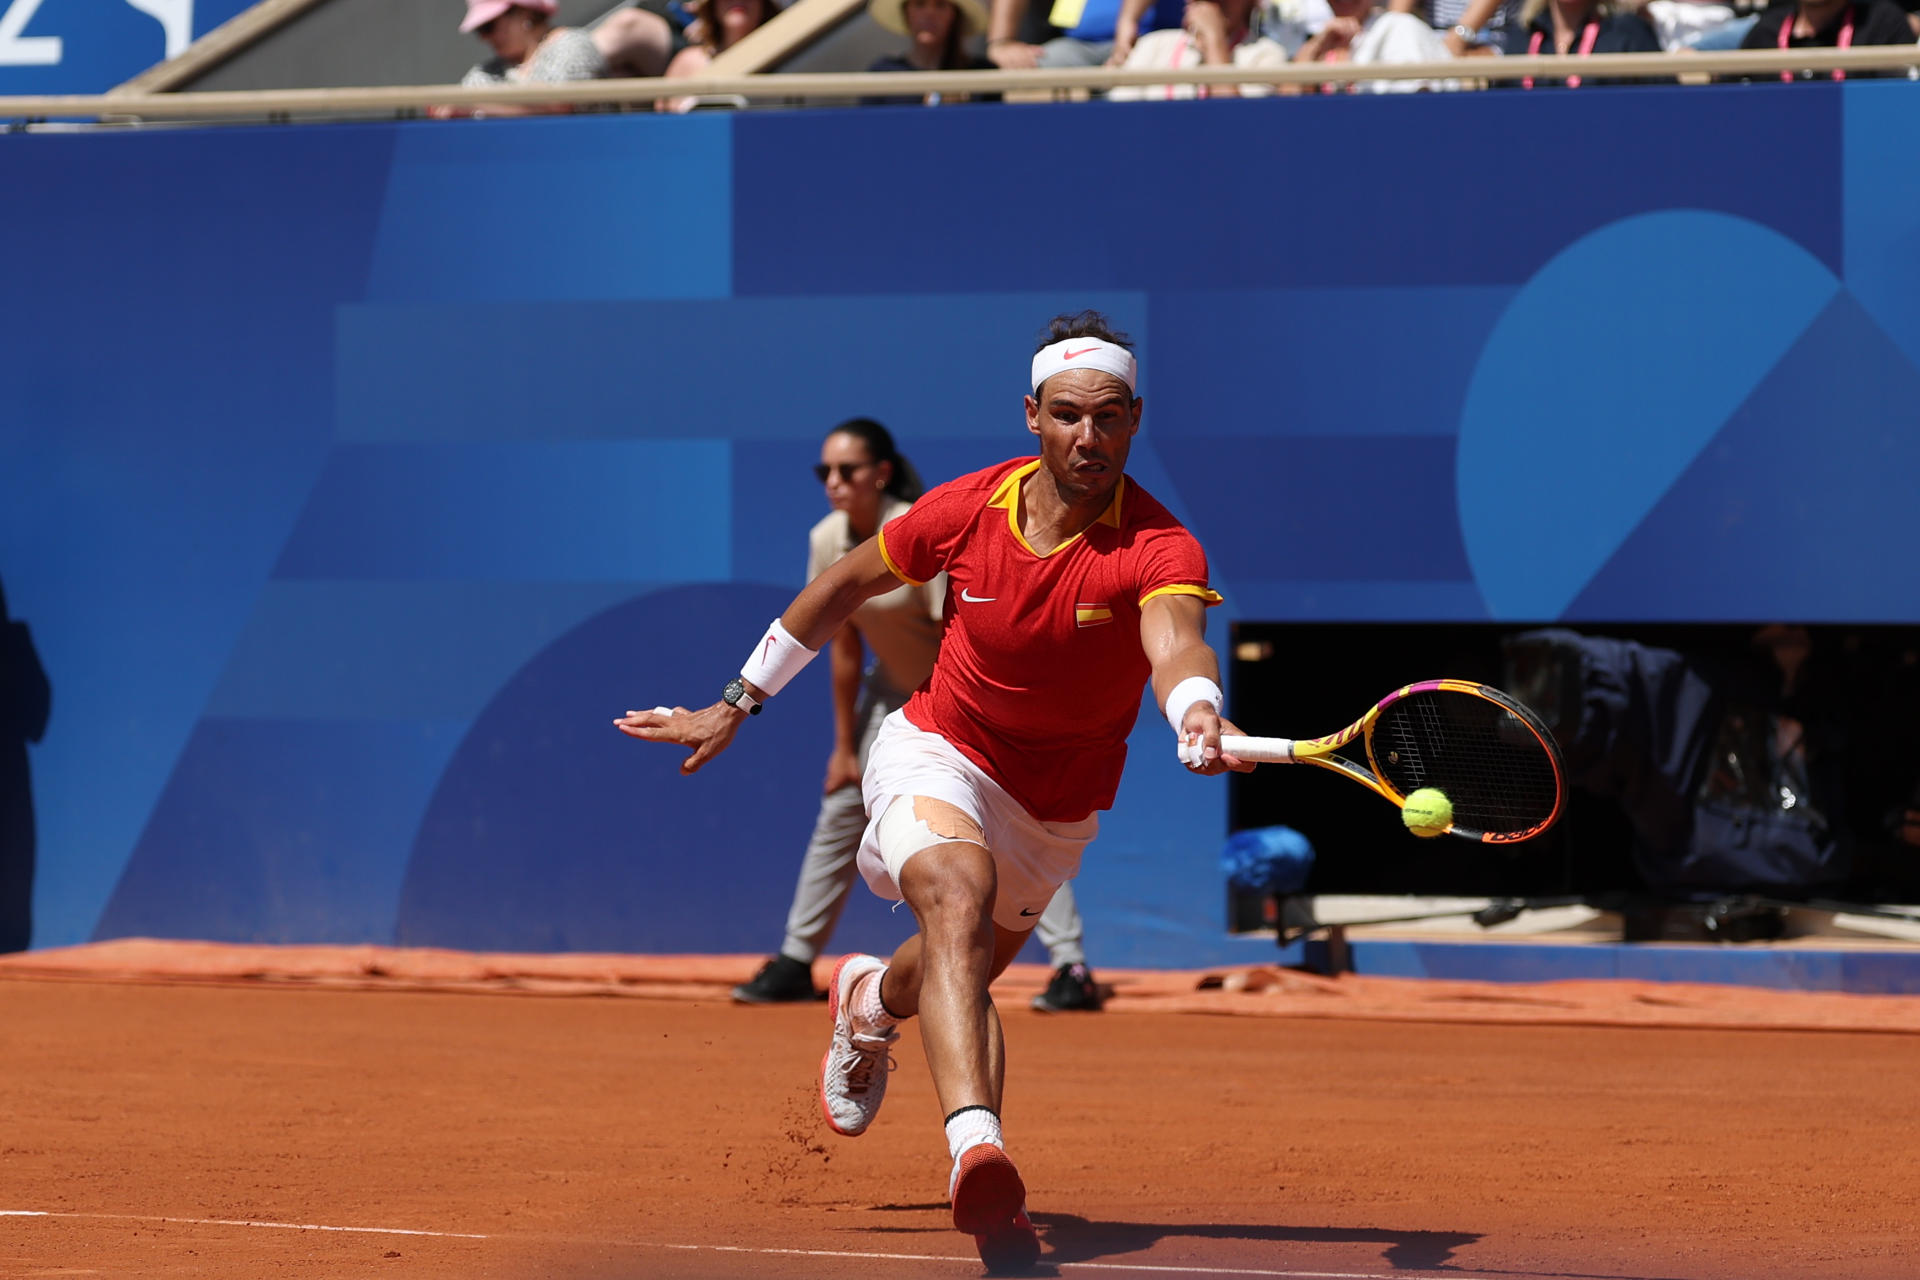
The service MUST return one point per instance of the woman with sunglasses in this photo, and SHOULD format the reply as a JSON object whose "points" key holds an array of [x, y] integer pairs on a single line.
{"points": [[528, 49], [868, 483]]}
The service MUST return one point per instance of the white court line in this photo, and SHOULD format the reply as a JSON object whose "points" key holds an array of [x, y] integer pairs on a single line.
{"points": [[713, 1248], [238, 1222]]}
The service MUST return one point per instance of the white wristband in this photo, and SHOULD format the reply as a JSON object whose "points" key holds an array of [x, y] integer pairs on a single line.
{"points": [[1189, 691], [775, 660]]}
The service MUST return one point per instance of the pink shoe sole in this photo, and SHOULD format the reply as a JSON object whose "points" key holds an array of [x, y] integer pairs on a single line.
{"points": [[987, 1192]]}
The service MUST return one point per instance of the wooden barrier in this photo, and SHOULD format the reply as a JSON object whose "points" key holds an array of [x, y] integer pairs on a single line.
{"points": [[411, 99]]}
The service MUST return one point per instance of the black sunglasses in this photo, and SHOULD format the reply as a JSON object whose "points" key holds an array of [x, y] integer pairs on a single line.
{"points": [[847, 470]]}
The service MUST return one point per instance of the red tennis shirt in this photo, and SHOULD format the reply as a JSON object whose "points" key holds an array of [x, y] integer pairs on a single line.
{"points": [[1040, 669]]}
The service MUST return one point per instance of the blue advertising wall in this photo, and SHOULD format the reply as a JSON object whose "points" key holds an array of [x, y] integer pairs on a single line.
{"points": [[89, 46], [353, 478]]}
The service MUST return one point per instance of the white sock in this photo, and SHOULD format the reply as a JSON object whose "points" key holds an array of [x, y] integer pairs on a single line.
{"points": [[971, 1126], [869, 1015]]}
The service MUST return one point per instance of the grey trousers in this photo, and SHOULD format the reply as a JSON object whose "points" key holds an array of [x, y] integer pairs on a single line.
{"points": [[827, 872]]}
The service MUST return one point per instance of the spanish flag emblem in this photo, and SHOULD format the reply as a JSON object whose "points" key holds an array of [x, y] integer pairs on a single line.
{"points": [[1091, 615]]}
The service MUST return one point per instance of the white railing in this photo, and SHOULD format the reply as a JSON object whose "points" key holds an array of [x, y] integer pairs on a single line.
{"points": [[1761, 64]]}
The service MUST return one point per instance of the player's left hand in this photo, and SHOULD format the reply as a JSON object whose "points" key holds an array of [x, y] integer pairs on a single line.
{"points": [[1204, 725], [704, 733]]}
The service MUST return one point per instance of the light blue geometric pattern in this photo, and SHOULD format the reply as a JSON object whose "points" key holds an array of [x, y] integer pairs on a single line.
{"points": [[1609, 372], [1883, 207]]}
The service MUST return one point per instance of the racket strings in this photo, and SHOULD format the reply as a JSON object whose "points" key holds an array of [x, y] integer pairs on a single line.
{"points": [[1491, 763]]}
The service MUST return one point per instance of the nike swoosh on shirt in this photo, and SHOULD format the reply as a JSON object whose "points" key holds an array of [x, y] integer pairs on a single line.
{"points": [[1026, 912], [973, 599]]}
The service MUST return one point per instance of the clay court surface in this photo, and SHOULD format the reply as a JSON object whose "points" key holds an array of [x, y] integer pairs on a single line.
{"points": [[246, 1129]]}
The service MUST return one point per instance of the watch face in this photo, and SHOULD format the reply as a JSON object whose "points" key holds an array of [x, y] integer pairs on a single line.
{"points": [[732, 693]]}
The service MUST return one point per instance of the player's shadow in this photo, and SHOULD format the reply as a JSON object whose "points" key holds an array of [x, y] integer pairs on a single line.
{"points": [[1067, 1239], [1070, 1239]]}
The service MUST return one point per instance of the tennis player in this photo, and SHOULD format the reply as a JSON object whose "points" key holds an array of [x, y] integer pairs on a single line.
{"points": [[868, 482], [1069, 587]]}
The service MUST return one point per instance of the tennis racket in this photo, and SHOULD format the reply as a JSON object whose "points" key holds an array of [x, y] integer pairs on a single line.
{"points": [[1489, 752]]}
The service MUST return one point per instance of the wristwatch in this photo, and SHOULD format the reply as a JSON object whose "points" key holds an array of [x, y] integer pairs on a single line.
{"points": [[1467, 34], [736, 695]]}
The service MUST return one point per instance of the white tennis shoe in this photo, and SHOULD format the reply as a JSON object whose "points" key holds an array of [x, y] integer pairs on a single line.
{"points": [[853, 1074]]}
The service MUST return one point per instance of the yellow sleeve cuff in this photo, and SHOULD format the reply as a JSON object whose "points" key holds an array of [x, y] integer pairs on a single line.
{"points": [[1207, 595], [880, 539]]}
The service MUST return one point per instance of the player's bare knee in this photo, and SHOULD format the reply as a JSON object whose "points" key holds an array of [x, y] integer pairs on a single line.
{"points": [[951, 886]]}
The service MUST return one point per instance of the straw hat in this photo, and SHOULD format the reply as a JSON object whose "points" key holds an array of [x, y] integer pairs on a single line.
{"points": [[892, 14]]}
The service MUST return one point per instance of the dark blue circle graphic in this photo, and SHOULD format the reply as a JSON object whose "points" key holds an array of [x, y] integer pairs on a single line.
{"points": [[552, 831]]}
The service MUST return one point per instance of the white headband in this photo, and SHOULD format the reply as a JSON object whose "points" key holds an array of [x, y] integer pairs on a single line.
{"points": [[1084, 353]]}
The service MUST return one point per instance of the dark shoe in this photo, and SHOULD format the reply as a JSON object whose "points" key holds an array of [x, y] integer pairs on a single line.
{"points": [[781, 980], [1072, 990]]}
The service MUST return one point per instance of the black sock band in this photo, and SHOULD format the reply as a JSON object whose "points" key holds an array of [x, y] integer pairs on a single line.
{"points": [[897, 1017], [978, 1106]]}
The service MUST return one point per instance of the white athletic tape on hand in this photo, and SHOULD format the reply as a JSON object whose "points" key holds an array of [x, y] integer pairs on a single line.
{"points": [[1085, 353], [663, 711], [1259, 750], [775, 660]]}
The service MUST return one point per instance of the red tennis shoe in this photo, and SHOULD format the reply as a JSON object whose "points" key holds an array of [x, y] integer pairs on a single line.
{"points": [[1013, 1248], [990, 1204]]}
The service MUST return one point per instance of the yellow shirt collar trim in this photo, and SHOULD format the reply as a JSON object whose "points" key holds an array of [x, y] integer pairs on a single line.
{"points": [[1007, 496]]}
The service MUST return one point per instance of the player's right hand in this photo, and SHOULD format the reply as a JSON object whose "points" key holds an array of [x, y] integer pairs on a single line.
{"points": [[704, 733]]}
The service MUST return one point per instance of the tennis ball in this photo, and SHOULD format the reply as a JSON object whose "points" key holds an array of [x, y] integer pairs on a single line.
{"points": [[1427, 812]]}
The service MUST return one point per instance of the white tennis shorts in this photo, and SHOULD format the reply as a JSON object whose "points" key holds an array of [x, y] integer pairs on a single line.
{"points": [[1031, 858]]}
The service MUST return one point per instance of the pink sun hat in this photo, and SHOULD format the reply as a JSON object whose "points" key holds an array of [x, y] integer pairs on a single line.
{"points": [[481, 12]]}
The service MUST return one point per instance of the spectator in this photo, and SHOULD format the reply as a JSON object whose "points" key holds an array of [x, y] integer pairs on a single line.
{"points": [[1579, 28], [1363, 35], [1290, 22], [1216, 33], [1471, 28], [528, 49], [938, 31], [1092, 32], [1827, 24], [1698, 26], [719, 25], [641, 39]]}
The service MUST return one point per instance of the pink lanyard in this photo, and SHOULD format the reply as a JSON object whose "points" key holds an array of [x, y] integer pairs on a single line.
{"points": [[1179, 53], [1845, 42], [1587, 37]]}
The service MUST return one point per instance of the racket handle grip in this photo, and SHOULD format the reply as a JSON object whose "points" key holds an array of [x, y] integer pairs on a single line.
{"points": [[1263, 750]]}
